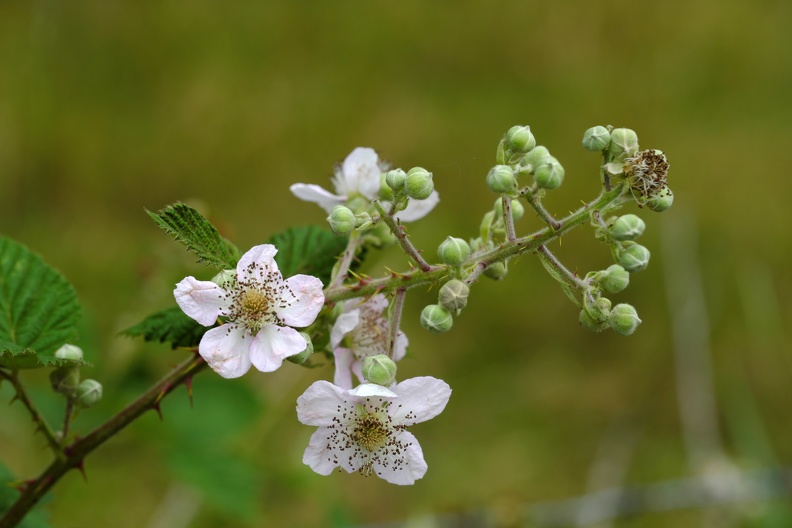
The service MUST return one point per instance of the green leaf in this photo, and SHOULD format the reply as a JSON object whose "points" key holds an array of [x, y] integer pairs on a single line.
{"points": [[38, 309], [170, 325], [307, 249], [190, 228]]}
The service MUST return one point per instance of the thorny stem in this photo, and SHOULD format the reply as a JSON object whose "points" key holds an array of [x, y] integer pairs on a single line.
{"points": [[67, 418], [80, 448], [39, 420], [551, 260], [507, 218], [401, 235], [396, 311], [529, 193], [346, 259]]}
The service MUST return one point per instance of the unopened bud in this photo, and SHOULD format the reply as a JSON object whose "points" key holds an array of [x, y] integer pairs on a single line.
{"points": [[623, 143], [496, 271], [614, 279], [596, 138], [68, 351], [453, 295], [453, 251], [436, 319], [385, 192], [89, 393], [627, 227], [623, 319], [500, 179], [549, 174], [599, 309], [529, 162], [520, 139], [592, 324], [395, 179], [299, 359], [660, 200], [517, 209], [379, 369], [634, 257], [342, 220], [418, 183], [65, 380]]}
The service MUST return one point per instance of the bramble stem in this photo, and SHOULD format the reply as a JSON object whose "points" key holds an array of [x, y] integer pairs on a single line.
{"points": [[395, 320], [77, 451], [529, 193], [346, 260], [401, 235], [39, 420], [507, 218], [550, 260], [67, 419]]}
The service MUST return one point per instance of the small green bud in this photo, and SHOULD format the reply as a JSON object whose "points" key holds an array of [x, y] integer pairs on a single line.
{"points": [[299, 359], [68, 351], [496, 271], [453, 296], [530, 161], [342, 220], [517, 209], [660, 201], [596, 139], [614, 279], [623, 143], [500, 179], [89, 393], [395, 179], [225, 278], [634, 257], [592, 324], [379, 369], [436, 319], [418, 183], [623, 319], [453, 251], [520, 139], [600, 309], [627, 227], [549, 174], [65, 380], [385, 192]]}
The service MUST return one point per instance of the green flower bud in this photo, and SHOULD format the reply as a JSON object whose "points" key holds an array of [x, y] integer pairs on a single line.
{"points": [[599, 309], [453, 251], [342, 220], [549, 174], [436, 319], [596, 139], [453, 296], [299, 359], [89, 393], [379, 369], [592, 324], [634, 257], [65, 380], [68, 351], [660, 201], [520, 139], [623, 143], [627, 227], [517, 209], [496, 271], [385, 192], [395, 179], [225, 278], [418, 183], [614, 279], [534, 158], [500, 179], [623, 319]]}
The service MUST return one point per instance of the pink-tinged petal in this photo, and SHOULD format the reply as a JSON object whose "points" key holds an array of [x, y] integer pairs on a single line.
{"points": [[225, 350], [372, 390], [420, 399], [409, 467], [343, 365], [378, 303], [400, 346], [417, 209], [258, 265], [201, 300], [313, 193], [318, 455], [273, 344], [345, 323], [300, 301], [360, 172], [357, 370], [319, 404]]}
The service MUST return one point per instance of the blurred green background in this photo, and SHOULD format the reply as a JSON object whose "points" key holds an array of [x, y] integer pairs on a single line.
{"points": [[107, 108]]}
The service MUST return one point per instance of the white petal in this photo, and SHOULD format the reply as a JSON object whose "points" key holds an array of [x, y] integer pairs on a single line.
{"points": [[417, 209], [226, 350], [378, 303], [360, 172], [319, 404], [412, 465], [400, 346], [273, 344], [317, 455], [313, 193], [357, 370], [345, 323], [303, 297], [343, 365], [369, 390], [201, 300], [420, 399], [259, 265]]}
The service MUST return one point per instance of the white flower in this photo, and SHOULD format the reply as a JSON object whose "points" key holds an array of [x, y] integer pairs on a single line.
{"points": [[362, 331], [365, 429], [359, 175], [259, 307]]}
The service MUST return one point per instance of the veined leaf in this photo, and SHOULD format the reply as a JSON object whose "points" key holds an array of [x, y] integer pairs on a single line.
{"points": [[307, 249], [170, 325], [190, 228], [38, 309]]}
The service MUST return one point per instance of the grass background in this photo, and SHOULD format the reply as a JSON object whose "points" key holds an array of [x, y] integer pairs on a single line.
{"points": [[108, 107]]}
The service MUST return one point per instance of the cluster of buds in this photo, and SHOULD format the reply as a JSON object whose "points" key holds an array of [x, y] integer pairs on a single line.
{"points": [[65, 379]]}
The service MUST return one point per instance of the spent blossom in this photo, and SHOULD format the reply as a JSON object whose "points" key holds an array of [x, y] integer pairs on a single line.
{"points": [[361, 331], [360, 176], [258, 307], [365, 429]]}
